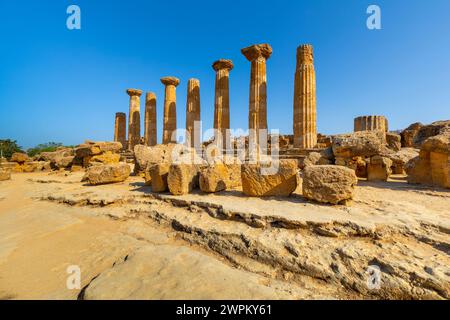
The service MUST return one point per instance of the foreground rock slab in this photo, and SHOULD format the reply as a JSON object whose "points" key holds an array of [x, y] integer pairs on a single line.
{"points": [[282, 182], [104, 174], [329, 184]]}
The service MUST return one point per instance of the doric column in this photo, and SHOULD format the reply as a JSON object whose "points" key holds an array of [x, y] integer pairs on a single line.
{"points": [[370, 123], [305, 114], [257, 55], [120, 128], [222, 100], [193, 112], [150, 135], [170, 108], [134, 118]]}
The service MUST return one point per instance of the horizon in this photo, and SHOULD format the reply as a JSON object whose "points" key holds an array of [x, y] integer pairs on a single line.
{"points": [[65, 85]]}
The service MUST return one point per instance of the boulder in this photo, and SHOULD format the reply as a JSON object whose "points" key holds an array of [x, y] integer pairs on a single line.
{"points": [[90, 148], [257, 181], [311, 159], [156, 176], [106, 158], [393, 141], [52, 156], [400, 158], [361, 143], [19, 157], [109, 173], [218, 177], [416, 134], [379, 168], [358, 164], [5, 174], [329, 184], [182, 178], [62, 162], [164, 153], [432, 166], [30, 166]]}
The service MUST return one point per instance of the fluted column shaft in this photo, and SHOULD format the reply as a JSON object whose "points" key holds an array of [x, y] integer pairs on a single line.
{"points": [[305, 114], [370, 123], [170, 108], [150, 133], [257, 55], [222, 100], [193, 112], [120, 128], [134, 118]]}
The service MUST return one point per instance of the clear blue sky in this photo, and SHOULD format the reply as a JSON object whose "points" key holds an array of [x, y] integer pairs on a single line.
{"points": [[65, 86]]}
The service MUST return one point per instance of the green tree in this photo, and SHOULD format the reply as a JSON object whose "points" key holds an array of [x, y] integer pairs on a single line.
{"points": [[8, 147], [44, 147]]}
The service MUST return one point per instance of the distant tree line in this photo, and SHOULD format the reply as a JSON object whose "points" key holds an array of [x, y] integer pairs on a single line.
{"points": [[8, 147]]}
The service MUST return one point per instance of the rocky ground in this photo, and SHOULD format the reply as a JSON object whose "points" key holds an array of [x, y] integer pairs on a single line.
{"points": [[131, 243]]}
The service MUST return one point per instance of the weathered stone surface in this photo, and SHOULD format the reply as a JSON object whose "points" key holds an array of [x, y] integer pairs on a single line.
{"points": [[110, 173], [222, 100], [32, 166], [401, 157], [312, 159], [282, 183], [5, 174], [182, 178], [305, 114], [393, 141], [432, 166], [329, 184], [218, 177], [417, 133], [106, 158], [61, 162], [19, 157], [379, 168], [95, 148], [157, 175], [358, 164], [363, 143]]}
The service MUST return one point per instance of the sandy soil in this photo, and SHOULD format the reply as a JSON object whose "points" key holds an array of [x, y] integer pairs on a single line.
{"points": [[130, 243]]}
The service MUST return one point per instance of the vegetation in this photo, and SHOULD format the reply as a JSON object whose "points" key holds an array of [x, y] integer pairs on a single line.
{"points": [[8, 147], [45, 147]]}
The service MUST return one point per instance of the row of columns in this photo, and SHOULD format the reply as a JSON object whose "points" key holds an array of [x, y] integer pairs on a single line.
{"points": [[305, 129]]}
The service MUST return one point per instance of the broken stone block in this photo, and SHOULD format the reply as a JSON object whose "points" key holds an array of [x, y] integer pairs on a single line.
{"points": [[19, 157], [157, 177], [218, 177], [329, 184], [379, 168], [5, 174], [182, 178], [106, 158], [282, 182], [110, 173], [393, 141], [361, 143]]}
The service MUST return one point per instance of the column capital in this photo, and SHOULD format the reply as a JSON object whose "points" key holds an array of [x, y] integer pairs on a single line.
{"points": [[305, 54], [150, 96], [222, 64], [120, 114], [170, 81], [134, 92], [257, 50]]}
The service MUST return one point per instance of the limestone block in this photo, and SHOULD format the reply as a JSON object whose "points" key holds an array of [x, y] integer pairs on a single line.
{"points": [[106, 158], [182, 178], [393, 141], [329, 184], [362, 143], [5, 174], [157, 177], [379, 168], [19, 157], [110, 173], [281, 183], [220, 177]]}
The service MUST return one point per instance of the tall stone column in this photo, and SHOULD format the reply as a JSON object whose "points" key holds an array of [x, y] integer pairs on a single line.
{"points": [[134, 118], [120, 128], [193, 112], [257, 55], [370, 123], [150, 135], [305, 114], [222, 100], [170, 108]]}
